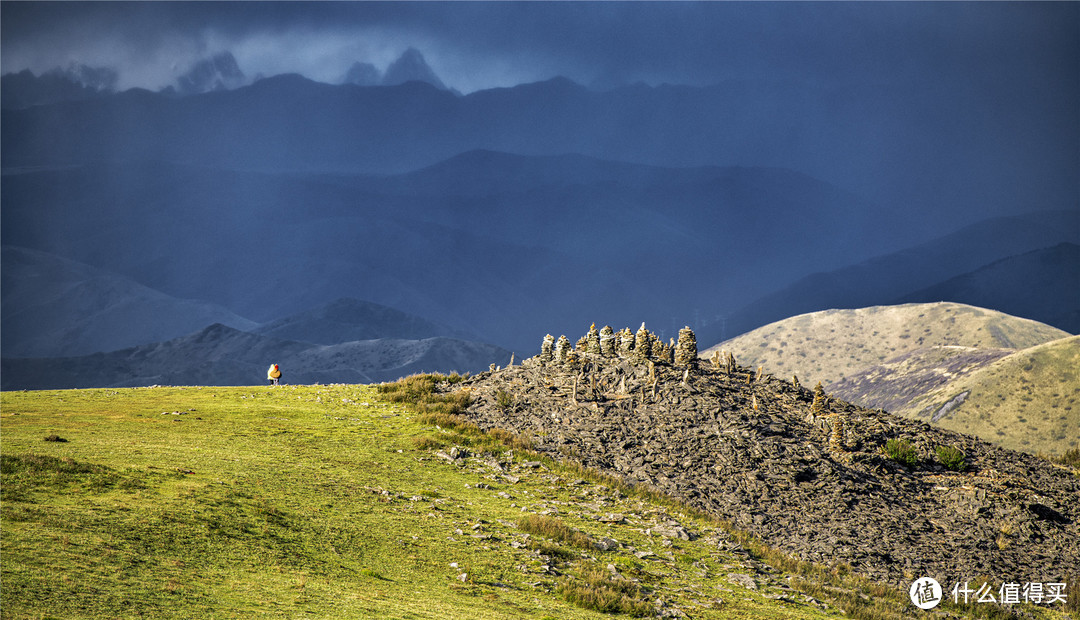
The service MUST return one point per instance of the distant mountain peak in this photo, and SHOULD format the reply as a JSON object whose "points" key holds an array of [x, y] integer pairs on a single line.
{"points": [[100, 79], [362, 74], [219, 72], [411, 67], [72, 83], [348, 319]]}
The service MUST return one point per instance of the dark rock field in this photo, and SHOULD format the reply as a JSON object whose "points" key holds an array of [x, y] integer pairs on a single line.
{"points": [[810, 479]]}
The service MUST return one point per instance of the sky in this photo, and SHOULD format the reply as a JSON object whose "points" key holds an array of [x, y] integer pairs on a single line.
{"points": [[478, 45], [963, 110], [987, 83]]}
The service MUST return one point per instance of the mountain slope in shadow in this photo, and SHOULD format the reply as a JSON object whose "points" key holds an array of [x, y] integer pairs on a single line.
{"points": [[220, 355]]}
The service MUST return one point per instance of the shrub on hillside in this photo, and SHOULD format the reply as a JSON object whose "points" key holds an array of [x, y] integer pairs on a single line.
{"points": [[901, 451], [952, 458], [427, 442], [504, 400]]}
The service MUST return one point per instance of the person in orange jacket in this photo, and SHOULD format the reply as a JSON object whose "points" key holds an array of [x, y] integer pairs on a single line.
{"points": [[273, 374]]}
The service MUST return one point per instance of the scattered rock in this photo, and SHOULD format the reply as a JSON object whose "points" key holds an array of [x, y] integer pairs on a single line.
{"points": [[742, 579], [672, 531], [606, 544]]}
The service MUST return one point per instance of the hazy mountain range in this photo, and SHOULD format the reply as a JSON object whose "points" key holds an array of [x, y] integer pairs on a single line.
{"points": [[220, 355], [66, 324], [497, 216], [498, 245], [214, 73], [346, 320], [1024, 265], [1040, 285], [55, 307], [442, 242], [72, 83]]}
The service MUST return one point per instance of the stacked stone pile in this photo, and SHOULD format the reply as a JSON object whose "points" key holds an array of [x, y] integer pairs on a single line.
{"points": [[808, 475], [686, 348]]}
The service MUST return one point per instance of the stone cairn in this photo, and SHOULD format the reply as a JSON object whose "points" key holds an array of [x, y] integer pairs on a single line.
{"points": [[626, 342], [592, 340], [661, 352], [607, 341], [686, 348], [547, 349], [562, 350], [639, 347], [642, 343], [818, 406]]}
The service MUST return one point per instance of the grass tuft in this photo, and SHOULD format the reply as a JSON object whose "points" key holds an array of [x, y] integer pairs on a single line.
{"points": [[901, 451], [511, 440], [600, 591], [39, 464], [427, 442], [555, 529], [1070, 458], [421, 392]]}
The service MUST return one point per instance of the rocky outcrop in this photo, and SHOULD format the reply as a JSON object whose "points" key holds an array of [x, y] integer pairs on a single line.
{"points": [[810, 479]]}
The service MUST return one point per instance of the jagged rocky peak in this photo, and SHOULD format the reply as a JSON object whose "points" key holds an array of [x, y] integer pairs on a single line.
{"points": [[75, 82], [100, 79], [219, 72], [411, 67]]}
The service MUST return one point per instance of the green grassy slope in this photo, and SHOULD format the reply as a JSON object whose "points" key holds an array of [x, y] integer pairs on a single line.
{"points": [[893, 384], [829, 345], [1029, 400], [325, 502]]}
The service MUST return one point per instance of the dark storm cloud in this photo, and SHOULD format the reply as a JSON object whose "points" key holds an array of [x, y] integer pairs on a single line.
{"points": [[486, 43], [989, 86]]}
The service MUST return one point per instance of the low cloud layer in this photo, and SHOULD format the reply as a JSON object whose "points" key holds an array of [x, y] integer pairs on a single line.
{"points": [[483, 45]]}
